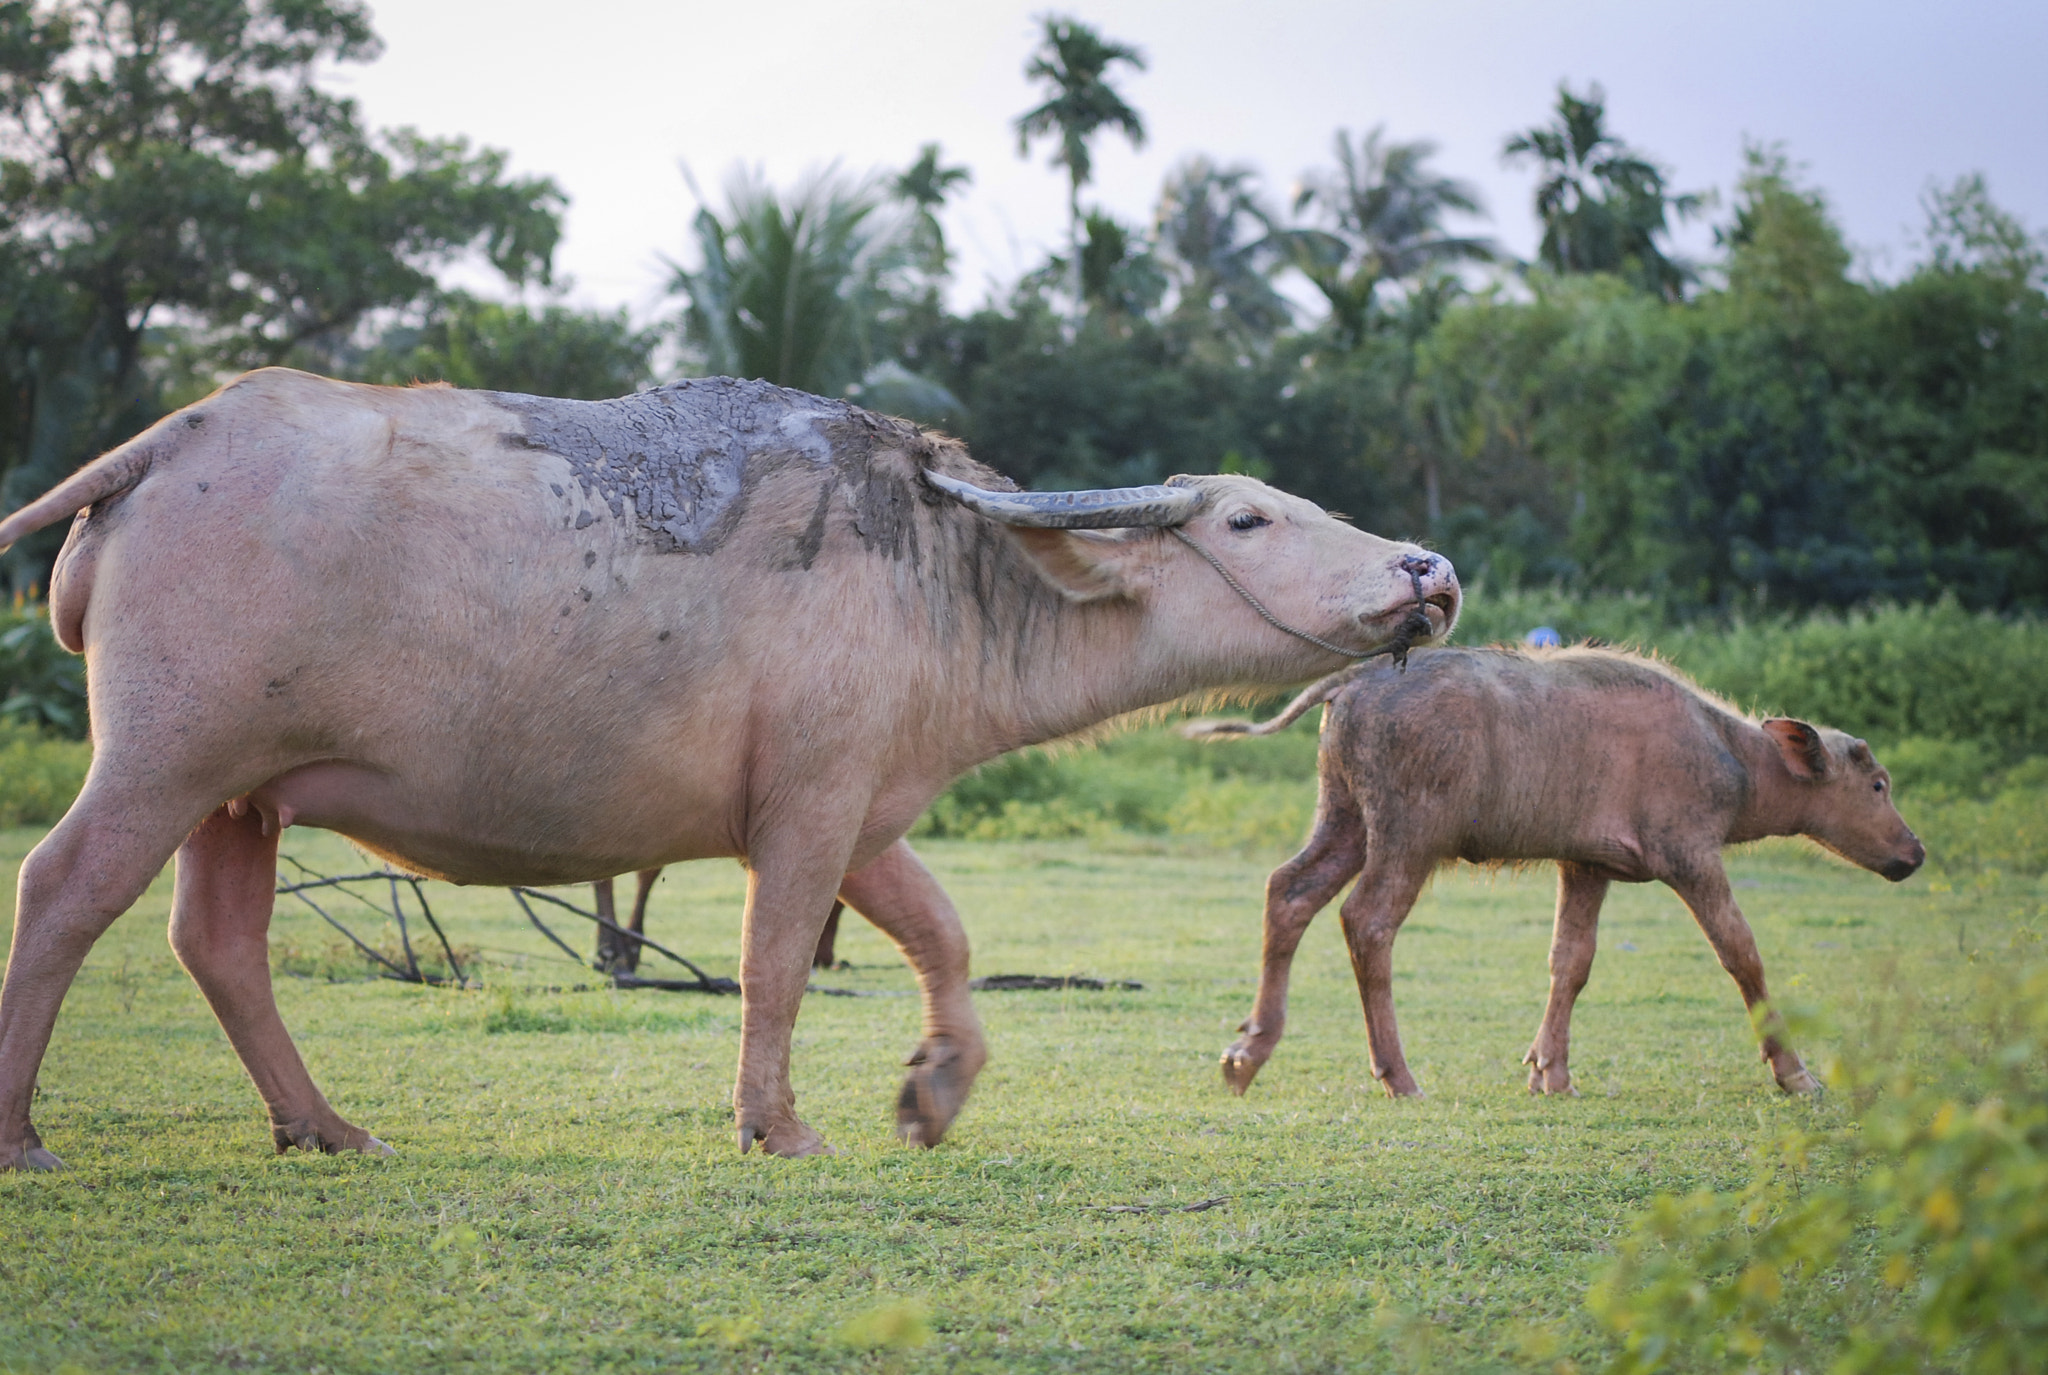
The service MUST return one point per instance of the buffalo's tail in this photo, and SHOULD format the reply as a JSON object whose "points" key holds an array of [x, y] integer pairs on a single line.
{"points": [[1314, 695], [109, 475]]}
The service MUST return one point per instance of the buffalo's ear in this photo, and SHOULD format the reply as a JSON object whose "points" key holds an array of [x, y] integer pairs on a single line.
{"points": [[1800, 746], [1085, 565]]}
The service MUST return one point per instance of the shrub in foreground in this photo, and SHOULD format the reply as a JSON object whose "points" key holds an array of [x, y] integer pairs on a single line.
{"points": [[1926, 1248]]}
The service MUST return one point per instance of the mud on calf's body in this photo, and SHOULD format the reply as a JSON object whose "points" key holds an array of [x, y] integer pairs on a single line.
{"points": [[1612, 765], [510, 640]]}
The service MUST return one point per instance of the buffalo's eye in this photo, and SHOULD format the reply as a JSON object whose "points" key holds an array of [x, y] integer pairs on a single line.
{"points": [[1248, 520], [1879, 785]]}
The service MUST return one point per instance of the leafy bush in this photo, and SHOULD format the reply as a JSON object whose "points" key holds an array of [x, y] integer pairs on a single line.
{"points": [[40, 681], [1887, 673], [39, 774], [1251, 794], [1917, 1240]]}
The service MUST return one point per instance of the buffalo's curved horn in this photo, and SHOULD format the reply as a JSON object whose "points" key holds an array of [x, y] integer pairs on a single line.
{"points": [[1106, 508]]}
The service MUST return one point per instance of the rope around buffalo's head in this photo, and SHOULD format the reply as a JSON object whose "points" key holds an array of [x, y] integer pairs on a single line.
{"points": [[1415, 627]]}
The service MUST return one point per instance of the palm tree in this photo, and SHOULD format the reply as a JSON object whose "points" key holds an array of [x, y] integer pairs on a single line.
{"points": [[925, 186], [1073, 62], [787, 288], [1220, 243], [1382, 214], [1603, 205]]}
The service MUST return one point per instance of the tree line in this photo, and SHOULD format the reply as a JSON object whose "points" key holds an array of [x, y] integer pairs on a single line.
{"points": [[1764, 428]]}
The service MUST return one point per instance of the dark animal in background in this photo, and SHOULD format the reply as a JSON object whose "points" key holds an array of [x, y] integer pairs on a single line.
{"points": [[1613, 765], [620, 954]]}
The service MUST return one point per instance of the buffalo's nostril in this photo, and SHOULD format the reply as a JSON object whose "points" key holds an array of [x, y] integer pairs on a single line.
{"points": [[1417, 565]]}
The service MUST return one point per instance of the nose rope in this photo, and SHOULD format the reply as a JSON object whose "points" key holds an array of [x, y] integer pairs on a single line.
{"points": [[1398, 646]]}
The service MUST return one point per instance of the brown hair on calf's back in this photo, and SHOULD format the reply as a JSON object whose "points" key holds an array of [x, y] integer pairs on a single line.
{"points": [[1613, 765]]}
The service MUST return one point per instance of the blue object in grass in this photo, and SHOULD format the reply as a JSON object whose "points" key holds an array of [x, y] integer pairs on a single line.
{"points": [[1543, 637]]}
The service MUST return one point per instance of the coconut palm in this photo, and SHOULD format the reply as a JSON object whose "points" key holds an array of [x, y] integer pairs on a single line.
{"points": [[1073, 62], [1381, 211], [1603, 205], [925, 186], [1218, 241], [788, 287]]}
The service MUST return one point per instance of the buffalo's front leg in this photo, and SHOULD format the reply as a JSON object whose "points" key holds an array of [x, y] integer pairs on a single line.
{"points": [[1704, 888], [791, 880], [1372, 917], [1573, 939], [1297, 890], [898, 894], [220, 931]]}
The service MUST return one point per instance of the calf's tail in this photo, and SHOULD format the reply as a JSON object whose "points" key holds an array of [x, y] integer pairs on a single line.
{"points": [[109, 475], [1314, 695]]}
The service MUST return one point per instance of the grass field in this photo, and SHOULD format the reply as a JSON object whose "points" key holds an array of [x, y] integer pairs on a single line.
{"points": [[567, 1196]]}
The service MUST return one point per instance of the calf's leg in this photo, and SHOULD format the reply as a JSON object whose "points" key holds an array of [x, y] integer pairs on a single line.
{"points": [[1297, 890], [1705, 890], [1572, 941], [1372, 917], [86, 872], [898, 894], [220, 931]]}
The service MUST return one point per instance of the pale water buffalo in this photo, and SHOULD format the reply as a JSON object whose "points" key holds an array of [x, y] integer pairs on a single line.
{"points": [[502, 639], [1611, 764]]}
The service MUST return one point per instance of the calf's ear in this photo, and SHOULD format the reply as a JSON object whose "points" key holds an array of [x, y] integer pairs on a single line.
{"points": [[1085, 565], [1800, 746]]}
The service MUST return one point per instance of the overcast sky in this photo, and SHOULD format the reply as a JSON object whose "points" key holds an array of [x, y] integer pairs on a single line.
{"points": [[1877, 98]]}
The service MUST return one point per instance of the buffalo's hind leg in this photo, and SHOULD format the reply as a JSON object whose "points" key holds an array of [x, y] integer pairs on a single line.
{"points": [[86, 872], [898, 894], [220, 925], [1297, 890], [1573, 939]]}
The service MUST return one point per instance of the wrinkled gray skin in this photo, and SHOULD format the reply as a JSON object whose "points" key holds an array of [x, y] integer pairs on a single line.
{"points": [[1610, 764], [506, 640]]}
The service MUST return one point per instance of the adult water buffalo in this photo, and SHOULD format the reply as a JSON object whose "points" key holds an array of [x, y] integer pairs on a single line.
{"points": [[501, 639]]}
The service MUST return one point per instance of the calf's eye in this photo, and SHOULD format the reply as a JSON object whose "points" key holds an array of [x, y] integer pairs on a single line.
{"points": [[1248, 520]]}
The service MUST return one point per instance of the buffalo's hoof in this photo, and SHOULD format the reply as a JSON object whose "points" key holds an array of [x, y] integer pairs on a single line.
{"points": [[789, 1137], [330, 1138], [1799, 1081], [1240, 1068], [941, 1075], [29, 1157], [1401, 1085], [1545, 1084]]}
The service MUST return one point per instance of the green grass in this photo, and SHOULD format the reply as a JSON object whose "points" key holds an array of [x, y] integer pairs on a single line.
{"points": [[567, 1195]]}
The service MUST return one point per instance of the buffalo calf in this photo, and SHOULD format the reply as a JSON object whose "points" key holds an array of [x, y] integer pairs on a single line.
{"points": [[1613, 765]]}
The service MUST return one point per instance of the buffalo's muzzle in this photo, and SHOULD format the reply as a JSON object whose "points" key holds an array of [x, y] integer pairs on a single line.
{"points": [[1906, 865]]}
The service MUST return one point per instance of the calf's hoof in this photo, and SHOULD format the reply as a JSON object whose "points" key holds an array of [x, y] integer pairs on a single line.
{"points": [[790, 1137], [1798, 1081], [1240, 1067], [1549, 1078], [1401, 1084], [941, 1074], [325, 1138]]}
